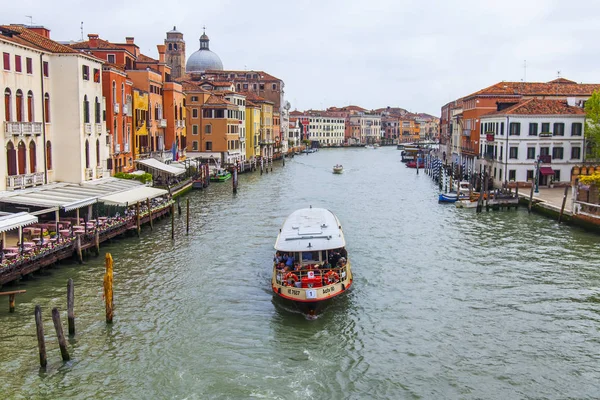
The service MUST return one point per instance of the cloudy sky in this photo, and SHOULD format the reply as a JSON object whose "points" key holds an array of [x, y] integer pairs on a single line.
{"points": [[415, 54]]}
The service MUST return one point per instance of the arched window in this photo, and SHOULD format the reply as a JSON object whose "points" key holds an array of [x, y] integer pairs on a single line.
{"points": [[48, 155], [175, 46], [30, 106], [22, 157], [7, 101], [87, 154], [122, 93], [180, 112], [114, 92], [115, 128], [47, 106], [170, 46], [98, 152], [97, 111], [32, 158], [156, 115], [19, 106], [86, 110], [11, 159]]}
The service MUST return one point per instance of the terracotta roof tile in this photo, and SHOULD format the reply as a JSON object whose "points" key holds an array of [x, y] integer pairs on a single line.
{"points": [[102, 44], [144, 59], [22, 35], [217, 100], [558, 87], [539, 107], [262, 74]]}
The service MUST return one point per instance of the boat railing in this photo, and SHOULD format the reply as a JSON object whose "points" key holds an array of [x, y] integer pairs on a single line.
{"points": [[316, 274]]}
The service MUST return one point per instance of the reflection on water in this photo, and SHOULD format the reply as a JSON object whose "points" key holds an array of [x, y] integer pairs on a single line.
{"points": [[445, 303]]}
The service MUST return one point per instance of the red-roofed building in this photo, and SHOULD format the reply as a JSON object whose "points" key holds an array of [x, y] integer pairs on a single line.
{"points": [[533, 136]]}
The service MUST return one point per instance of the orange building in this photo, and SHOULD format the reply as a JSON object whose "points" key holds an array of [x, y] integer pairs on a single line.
{"points": [[195, 97], [220, 129]]}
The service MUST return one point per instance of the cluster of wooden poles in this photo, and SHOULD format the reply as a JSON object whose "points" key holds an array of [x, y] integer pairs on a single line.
{"points": [[62, 343]]}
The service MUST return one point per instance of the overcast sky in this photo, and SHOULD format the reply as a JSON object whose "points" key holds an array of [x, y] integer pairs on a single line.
{"points": [[414, 54]]}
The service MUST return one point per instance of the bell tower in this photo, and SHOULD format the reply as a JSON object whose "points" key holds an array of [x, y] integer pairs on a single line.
{"points": [[175, 53]]}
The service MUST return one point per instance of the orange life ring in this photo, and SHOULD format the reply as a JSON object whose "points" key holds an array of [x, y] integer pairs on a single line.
{"points": [[332, 276], [288, 276]]}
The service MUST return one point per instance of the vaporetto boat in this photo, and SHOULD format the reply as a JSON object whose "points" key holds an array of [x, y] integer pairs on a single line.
{"points": [[319, 268]]}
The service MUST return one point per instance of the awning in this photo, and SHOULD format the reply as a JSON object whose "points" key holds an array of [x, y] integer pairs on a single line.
{"points": [[132, 196], [154, 164], [68, 196], [546, 171], [13, 221]]}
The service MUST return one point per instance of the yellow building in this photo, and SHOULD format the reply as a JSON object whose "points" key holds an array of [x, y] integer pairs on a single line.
{"points": [[252, 130], [267, 139], [140, 123]]}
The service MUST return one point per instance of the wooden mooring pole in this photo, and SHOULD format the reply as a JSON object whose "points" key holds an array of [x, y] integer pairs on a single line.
{"points": [[70, 305], [79, 253], [137, 216], [172, 221], [531, 196], [187, 217], [564, 202], [150, 211], [108, 287], [62, 343], [39, 325]]}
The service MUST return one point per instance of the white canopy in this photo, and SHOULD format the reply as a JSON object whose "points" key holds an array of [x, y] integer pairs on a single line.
{"points": [[153, 163], [310, 229], [132, 196], [13, 221], [68, 196]]}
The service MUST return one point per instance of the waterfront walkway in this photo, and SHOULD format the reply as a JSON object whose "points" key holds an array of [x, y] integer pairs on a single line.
{"points": [[551, 197]]}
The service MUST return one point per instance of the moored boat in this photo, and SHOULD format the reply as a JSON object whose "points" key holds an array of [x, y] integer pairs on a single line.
{"points": [[220, 176], [311, 264], [338, 169], [449, 197]]}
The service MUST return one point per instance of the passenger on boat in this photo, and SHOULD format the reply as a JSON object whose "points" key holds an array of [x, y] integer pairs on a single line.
{"points": [[341, 262], [326, 265], [277, 258], [290, 261]]}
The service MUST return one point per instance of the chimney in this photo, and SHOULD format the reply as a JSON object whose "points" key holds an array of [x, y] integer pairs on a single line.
{"points": [[93, 39], [40, 30], [161, 52], [129, 40]]}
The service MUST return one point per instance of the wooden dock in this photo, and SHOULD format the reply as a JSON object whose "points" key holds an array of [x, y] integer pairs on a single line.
{"points": [[68, 249]]}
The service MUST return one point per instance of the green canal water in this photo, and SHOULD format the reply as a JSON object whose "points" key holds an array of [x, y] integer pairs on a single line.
{"points": [[446, 303]]}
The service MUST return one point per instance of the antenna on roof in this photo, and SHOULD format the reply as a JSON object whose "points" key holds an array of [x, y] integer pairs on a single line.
{"points": [[558, 74], [30, 19], [82, 31]]}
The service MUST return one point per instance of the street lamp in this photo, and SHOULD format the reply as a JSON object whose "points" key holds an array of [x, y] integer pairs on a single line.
{"points": [[537, 175]]}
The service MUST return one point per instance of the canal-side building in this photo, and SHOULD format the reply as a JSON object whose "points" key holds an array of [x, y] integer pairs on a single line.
{"points": [[195, 97], [140, 117], [533, 136], [239, 114], [325, 128], [116, 88], [252, 130], [484, 101], [220, 129], [366, 127], [75, 90]]}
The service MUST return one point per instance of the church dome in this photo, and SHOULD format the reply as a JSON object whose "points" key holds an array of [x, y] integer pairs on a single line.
{"points": [[203, 59]]}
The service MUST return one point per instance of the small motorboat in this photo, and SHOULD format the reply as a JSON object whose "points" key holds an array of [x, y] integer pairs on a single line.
{"points": [[220, 176], [450, 197], [338, 169], [413, 164]]}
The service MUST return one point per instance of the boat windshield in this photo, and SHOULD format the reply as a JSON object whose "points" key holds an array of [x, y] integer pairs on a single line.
{"points": [[325, 266]]}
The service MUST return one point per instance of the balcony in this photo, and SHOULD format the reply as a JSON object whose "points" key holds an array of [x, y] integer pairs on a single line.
{"points": [[126, 147], [116, 108], [99, 129], [87, 129], [117, 147], [99, 172], [162, 123], [125, 109], [466, 132], [89, 174], [23, 128], [25, 180], [180, 124]]}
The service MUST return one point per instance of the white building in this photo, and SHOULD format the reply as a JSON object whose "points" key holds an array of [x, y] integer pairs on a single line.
{"points": [[294, 135], [52, 114], [326, 129], [239, 100], [533, 133]]}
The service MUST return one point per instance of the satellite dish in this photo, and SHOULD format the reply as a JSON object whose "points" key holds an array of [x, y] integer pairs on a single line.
{"points": [[287, 105]]}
